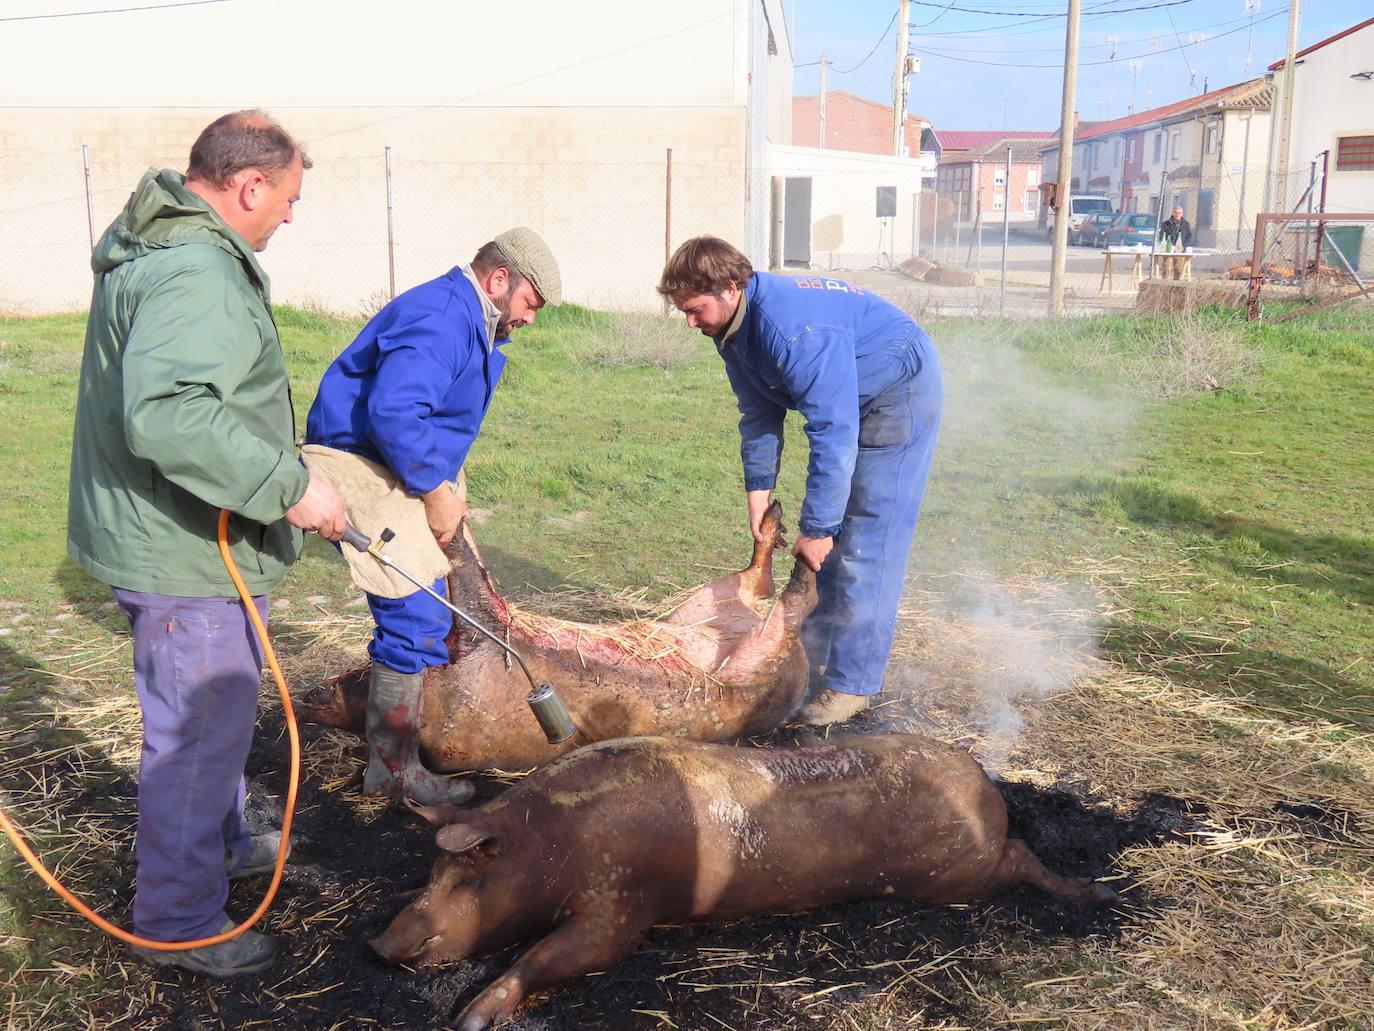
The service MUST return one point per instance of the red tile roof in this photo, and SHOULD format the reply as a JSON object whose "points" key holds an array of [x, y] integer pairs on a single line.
{"points": [[1255, 92], [967, 139], [1329, 39]]}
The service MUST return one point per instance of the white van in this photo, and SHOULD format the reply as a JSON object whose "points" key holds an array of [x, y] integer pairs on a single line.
{"points": [[1082, 205]]}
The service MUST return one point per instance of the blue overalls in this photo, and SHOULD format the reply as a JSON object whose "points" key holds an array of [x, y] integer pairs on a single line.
{"points": [[410, 393], [867, 381]]}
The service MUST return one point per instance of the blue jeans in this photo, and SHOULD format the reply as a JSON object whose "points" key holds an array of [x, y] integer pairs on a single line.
{"points": [[411, 632], [197, 669], [861, 582]]}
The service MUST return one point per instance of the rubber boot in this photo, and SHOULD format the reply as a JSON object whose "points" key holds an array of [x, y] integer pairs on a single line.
{"points": [[393, 743]]}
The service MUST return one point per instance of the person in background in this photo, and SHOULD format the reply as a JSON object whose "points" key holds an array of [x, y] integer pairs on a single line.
{"points": [[866, 379], [391, 427], [1176, 235], [183, 409]]}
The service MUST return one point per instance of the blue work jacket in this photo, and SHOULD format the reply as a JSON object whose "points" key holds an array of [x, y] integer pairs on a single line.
{"points": [[411, 391], [824, 348]]}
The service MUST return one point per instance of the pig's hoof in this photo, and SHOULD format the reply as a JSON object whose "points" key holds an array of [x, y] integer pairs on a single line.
{"points": [[1101, 895]]}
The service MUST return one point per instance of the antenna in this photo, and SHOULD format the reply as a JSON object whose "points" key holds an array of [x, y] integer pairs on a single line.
{"points": [[1252, 6], [1112, 41]]}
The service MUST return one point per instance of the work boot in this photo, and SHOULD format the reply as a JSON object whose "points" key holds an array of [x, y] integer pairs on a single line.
{"points": [[249, 953], [263, 858], [833, 706], [393, 743]]}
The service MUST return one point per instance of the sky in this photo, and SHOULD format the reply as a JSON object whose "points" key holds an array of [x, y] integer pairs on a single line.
{"points": [[998, 64]]}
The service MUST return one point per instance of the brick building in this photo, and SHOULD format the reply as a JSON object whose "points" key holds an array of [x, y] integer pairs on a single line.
{"points": [[979, 174], [851, 123]]}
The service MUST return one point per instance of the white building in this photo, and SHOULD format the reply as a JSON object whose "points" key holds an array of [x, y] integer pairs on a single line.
{"points": [[432, 125], [1332, 116]]}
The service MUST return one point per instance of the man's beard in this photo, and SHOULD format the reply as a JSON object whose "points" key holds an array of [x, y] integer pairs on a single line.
{"points": [[503, 306]]}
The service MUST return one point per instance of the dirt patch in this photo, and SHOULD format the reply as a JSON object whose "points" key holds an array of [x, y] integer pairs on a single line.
{"points": [[352, 869]]}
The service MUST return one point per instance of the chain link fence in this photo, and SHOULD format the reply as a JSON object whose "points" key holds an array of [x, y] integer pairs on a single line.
{"points": [[373, 225], [1221, 206]]}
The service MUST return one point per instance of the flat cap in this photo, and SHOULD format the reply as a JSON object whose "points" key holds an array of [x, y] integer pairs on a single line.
{"points": [[527, 251]]}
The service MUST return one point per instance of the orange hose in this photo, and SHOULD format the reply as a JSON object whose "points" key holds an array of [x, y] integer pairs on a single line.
{"points": [[292, 785]]}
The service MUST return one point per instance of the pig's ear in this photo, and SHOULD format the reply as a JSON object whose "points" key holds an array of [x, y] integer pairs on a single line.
{"points": [[438, 814], [463, 837]]}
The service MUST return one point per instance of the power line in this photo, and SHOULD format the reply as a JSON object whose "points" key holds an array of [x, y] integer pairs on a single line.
{"points": [[1087, 46], [1022, 64], [870, 53], [112, 10], [1039, 14]]}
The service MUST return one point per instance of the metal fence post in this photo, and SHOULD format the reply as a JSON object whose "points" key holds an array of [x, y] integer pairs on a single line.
{"points": [[390, 229], [90, 204], [958, 217], [668, 215], [1006, 233]]}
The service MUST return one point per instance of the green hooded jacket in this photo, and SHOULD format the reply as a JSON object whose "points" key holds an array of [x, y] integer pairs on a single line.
{"points": [[183, 408]]}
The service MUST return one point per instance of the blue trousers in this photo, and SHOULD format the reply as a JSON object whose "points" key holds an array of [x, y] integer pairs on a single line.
{"points": [[197, 669], [411, 632], [860, 584]]}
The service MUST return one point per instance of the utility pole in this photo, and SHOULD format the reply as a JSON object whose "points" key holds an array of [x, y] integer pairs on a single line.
{"points": [[1280, 173], [1063, 187], [820, 141], [899, 84]]}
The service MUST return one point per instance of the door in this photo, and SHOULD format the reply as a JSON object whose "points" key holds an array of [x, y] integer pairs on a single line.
{"points": [[796, 222]]}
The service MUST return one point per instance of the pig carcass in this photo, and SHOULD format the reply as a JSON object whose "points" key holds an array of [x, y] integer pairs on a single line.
{"points": [[595, 848], [726, 662]]}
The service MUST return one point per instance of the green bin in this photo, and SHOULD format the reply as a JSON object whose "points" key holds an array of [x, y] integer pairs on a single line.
{"points": [[1349, 240]]}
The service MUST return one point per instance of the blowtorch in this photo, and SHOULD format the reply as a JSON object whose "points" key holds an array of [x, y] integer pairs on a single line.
{"points": [[543, 700]]}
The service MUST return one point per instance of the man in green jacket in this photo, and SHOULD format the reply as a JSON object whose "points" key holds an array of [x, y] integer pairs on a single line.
{"points": [[183, 409]]}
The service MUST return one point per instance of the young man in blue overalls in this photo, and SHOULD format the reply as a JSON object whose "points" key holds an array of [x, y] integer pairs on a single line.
{"points": [[866, 379]]}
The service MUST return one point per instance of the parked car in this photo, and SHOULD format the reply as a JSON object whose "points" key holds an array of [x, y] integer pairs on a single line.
{"points": [[1081, 205], [1129, 230], [1089, 232]]}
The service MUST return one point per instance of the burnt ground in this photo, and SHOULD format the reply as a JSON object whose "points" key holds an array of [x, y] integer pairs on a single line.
{"points": [[346, 879]]}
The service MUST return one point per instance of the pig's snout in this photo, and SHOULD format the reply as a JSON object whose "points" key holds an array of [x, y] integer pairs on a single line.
{"points": [[404, 945]]}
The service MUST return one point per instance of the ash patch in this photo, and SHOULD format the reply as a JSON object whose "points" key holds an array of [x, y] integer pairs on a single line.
{"points": [[347, 879], [815, 764]]}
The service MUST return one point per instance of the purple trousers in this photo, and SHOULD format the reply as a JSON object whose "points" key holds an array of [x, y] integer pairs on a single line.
{"points": [[197, 669]]}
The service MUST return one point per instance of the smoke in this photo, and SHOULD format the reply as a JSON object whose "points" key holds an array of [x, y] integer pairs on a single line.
{"points": [[986, 632]]}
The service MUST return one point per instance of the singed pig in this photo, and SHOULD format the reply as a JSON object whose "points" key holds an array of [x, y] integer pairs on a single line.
{"points": [[726, 662], [589, 852]]}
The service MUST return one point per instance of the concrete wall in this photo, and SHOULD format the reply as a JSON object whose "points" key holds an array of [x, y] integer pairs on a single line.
{"points": [[591, 180]]}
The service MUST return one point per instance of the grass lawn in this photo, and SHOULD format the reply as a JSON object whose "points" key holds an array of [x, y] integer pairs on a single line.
{"points": [[1143, 570]]}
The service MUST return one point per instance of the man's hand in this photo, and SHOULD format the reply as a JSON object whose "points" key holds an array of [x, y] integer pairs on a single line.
{"points": [[758, 505], [813, 550], [319, 510], [444, 510]]}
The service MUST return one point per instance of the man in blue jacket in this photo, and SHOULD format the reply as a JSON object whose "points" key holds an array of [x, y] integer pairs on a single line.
{"points": [[391, 427], [867, 381]]}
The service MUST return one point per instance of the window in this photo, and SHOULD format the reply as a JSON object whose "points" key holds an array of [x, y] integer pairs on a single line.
{"points": [[999, 177], [1176, 144], [1130, 203], [1209, 140], [1355, 154], [1159, 146], [998, 201], [1116, 153], [1032, 177]]}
